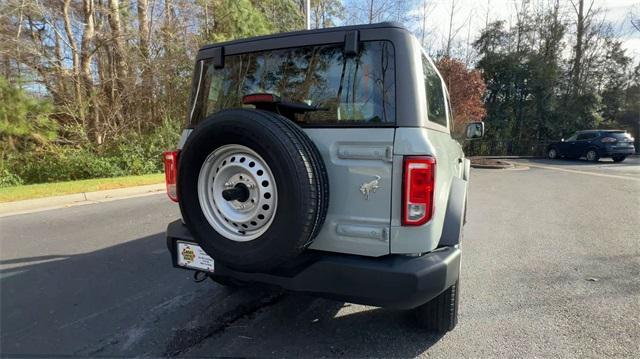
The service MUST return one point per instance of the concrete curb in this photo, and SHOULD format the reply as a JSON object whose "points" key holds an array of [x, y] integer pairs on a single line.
{"points": [[492, 167], [76, 199], [506, 157]]}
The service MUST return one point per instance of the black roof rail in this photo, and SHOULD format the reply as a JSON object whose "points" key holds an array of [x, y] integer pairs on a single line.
{"points": [[315, 31]]}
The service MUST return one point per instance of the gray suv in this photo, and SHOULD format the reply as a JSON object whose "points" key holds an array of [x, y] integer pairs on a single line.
{"points": [[323, 162]]}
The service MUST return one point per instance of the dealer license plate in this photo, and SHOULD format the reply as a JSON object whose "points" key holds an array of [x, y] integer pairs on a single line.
{"points": [[192, 256]]}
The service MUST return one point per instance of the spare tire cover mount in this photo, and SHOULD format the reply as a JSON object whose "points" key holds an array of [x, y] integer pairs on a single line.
{"points": [[232, 166]]}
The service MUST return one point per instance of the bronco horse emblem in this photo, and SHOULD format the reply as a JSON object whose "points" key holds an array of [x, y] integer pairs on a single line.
{"points": [[369, 187]]}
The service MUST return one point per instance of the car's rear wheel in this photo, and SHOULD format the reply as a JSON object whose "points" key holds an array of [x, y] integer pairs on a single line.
{"points": [[592, 155], [441, 313], [618, 158], [252, 189], [552, 153]]}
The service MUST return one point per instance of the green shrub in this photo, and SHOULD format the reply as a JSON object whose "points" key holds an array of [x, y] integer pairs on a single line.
{"points": [[142, 154], [131, 155], [63, 164], [8, 178]]}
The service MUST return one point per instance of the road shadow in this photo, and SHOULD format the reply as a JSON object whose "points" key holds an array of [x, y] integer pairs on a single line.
{"points": [[61, 304], [127, 300], [309, 327]]}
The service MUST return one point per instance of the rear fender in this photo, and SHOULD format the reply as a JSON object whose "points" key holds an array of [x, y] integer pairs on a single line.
{"points": [[455, 213]]}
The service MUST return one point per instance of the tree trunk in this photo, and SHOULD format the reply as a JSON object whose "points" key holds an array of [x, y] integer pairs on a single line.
{"points": [[143, 31], [577, 60], [447, 52], [77, 86], [62, 88], [118, 41], [143, 28], [86, 53]]}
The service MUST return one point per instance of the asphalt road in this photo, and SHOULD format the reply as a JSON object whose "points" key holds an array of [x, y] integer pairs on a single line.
{"points": [[551, 267]]}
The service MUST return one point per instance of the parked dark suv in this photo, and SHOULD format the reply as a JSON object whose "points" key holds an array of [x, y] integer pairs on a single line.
{"points": [[594, 144]]}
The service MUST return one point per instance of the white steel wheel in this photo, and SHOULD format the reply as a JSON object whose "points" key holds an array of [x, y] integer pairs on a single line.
{"points": [[238, 172]]}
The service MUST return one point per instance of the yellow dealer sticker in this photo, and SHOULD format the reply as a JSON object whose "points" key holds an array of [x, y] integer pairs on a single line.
{"points": [[192, 256]]}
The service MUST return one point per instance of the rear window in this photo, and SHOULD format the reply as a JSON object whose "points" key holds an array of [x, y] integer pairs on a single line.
{"points": [[357, 90], [619, 135]]}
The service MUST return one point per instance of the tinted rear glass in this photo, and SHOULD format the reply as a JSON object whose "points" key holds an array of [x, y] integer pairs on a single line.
{"points": [[619, 135], [358, 90], [587, 136]]}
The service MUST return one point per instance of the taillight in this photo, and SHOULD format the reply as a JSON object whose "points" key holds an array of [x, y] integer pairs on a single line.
{"points": [[608, 140], [419, 181], [171, 173]]}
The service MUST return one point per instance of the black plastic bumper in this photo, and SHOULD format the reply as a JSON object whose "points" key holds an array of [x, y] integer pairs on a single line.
{"points": [[393, 281], [610, 151]]}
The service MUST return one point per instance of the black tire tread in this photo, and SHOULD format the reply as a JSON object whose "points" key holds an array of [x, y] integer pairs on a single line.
{"points": [[322, 184], [441, 313], [310, 162]]}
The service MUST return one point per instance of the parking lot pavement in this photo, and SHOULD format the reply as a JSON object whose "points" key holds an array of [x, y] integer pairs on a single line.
{"points": [[630, 167], [551, 267]]}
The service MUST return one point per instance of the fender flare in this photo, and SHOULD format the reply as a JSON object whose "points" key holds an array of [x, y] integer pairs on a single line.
{"points": [[455, 213]]}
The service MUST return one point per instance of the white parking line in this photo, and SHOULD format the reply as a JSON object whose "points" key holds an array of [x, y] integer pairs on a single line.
{"points": [[581, 172]]}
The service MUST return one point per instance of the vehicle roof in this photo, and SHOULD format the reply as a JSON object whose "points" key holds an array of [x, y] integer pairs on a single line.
{"points": [[381, 25], [588, 131]]}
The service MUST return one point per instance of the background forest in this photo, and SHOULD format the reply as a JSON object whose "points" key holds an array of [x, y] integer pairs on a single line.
{"points": [[98, 88]]}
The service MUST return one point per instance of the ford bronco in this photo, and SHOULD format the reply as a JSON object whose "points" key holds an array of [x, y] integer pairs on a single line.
{"points": [[323, 162]]}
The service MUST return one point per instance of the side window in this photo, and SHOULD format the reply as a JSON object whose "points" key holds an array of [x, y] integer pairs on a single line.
{"points": [[435, 95], [451, 119], [587, 136]]}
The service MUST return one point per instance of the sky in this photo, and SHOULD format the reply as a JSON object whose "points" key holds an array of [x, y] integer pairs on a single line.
{"points": [[471, 16]]}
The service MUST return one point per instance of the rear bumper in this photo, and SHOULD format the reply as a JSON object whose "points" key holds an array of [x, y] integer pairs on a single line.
{"points": [[625, 151], [393, 281]]}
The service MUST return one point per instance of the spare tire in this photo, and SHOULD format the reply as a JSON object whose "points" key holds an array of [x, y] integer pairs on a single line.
{"points": [[253, 188]]}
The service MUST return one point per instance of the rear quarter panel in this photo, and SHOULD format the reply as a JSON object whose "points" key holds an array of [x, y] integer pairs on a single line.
{"points": [[447, 152]]}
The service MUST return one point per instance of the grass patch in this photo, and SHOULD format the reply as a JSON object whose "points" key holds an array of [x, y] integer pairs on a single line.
{"points": [[18, 193]]}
